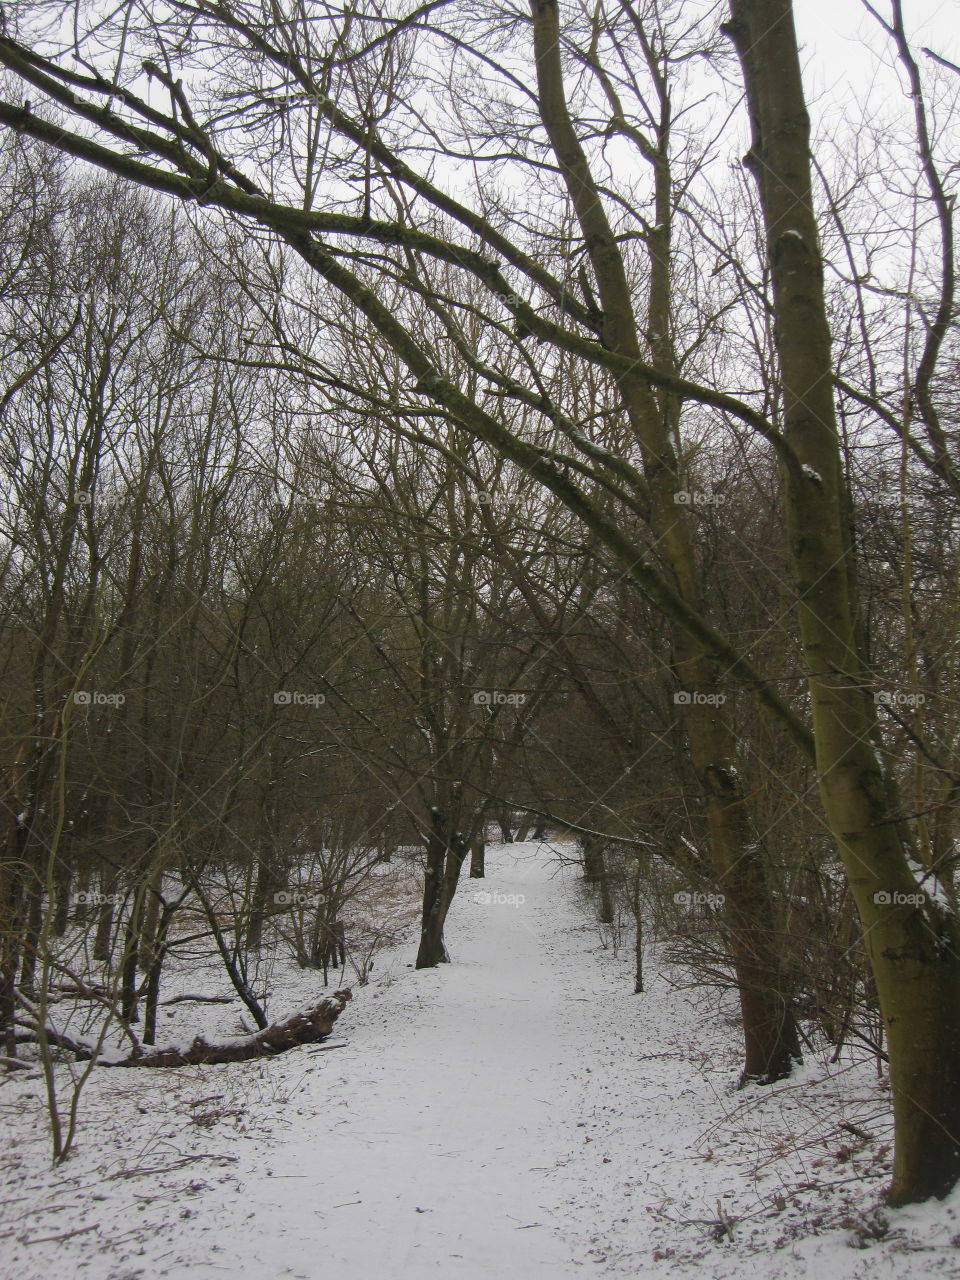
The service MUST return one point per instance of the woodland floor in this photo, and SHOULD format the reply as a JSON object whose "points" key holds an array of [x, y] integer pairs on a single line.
{"points": [[516, 1113]]}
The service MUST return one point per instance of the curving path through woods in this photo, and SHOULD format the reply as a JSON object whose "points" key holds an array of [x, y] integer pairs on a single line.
{"points": [[515, 1115]]}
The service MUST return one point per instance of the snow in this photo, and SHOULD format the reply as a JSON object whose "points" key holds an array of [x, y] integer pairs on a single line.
{"points": [[516, 1113], [811, 474]]}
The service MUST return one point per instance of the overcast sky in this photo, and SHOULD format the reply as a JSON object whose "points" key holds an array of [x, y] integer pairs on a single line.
{"points": [[833, 32]]}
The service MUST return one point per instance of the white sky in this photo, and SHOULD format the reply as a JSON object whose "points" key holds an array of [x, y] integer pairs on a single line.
{"points": [[832, 33]]}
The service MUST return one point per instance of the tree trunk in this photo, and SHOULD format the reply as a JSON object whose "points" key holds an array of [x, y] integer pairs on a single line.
{"points": [[131, 959], [32, 916], [457, 850], [605, 912], [151, 917], [308, 1027], [591, 859], [595, 872], [104, 935], [11, 902], [63, 884], [446, 854], [770, 1039], [637, 904], [432, 950], [912, 941], [478, 850], [269, 881]]}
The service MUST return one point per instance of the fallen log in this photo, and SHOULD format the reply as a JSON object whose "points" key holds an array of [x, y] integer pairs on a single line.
{"points": [[17, 1064], [309, 1026], [82, 990], [200, 999]]}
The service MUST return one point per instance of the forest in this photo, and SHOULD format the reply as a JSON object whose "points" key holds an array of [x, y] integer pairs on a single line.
{"points": [[429, 431]]}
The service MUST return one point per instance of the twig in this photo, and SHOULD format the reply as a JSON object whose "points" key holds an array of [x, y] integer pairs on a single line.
{"points": [[64, 1235]]}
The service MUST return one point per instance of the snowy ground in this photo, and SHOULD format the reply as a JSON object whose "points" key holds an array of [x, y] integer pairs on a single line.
{"points": [[517, 1113]]}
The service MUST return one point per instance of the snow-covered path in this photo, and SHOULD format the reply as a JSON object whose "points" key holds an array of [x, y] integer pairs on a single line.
{"points": [[516, 1114], [453, 1105]]}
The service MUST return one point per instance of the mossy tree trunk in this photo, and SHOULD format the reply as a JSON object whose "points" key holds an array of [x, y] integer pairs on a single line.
{"points": [[912, 941]]}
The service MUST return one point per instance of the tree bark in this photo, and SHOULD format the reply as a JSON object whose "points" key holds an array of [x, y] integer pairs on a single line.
{"points": [[912, 941], [771, 1044], [103, 939], [307, 1027], [432, 950]]}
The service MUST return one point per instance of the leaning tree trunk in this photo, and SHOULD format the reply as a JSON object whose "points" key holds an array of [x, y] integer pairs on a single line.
{"points": [[446, 853], [457, 850], [913, 942], [770, 1037]]}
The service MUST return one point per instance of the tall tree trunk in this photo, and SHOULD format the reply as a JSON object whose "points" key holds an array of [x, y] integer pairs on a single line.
{"points": [[155, 955], [770, 1039], [64, 884], [131, 956], [103, 938], [432, 950], [637, 904], [11, 905], [912, 941], [32, 922], [591, 853], [457, 850], [605, 911], [151, 916]]}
